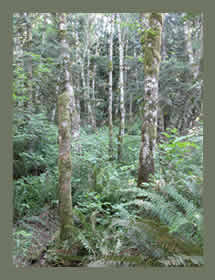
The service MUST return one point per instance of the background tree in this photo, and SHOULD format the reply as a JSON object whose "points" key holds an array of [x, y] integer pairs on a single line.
{"points": [[121, 90], [110, 122]]}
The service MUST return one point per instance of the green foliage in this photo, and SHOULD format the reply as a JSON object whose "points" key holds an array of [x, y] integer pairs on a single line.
{"points": [[35, 171], [31, 193], [180, 159], [22, 241], [34, 144], [159, 224], [94, 172], [19, 80], [166, 217], [172, 200]]}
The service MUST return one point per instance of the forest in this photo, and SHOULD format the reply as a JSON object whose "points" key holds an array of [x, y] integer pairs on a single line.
{"points": [[108, 140]]}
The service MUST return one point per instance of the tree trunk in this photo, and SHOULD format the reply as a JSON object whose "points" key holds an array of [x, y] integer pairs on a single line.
{"points": [[67, 82], [151, 41], [163, 43], [201, 63], [191, 109], [28, 61], [131, 93], [64, 166], [125, 68], [121, 88], [110, 122], [161, 118], [91, 115], [66, 109], [94, 85], [188, 42]]}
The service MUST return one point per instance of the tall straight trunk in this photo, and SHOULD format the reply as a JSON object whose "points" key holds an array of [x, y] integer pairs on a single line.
{"points": [[94, 70], [68, 79], [191, 109], [130, 107], [28, 61], [201, 62], [45, 17], [117, 101], [125, 70], [64, 166], [163, 42], [84, 84], [161, 125], [89, 109], [94, 84], [188, 46], [78, 86], [91, 115], [110, 122], [151, 46], [121, 88], [65, 109], [86, 97], [77, 98], [131, 93]]}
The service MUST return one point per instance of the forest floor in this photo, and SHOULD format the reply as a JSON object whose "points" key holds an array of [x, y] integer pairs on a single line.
{"points": [[42, 229]]}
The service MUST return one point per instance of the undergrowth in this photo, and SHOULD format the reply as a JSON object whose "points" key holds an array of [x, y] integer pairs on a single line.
{"points": [[159, 224]]}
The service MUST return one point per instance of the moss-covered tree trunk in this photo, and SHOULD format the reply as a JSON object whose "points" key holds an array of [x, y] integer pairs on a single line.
{"points": [[110, 104], [66, 113], [64, 166], [151, 41], [67, 82], [121, 88]]}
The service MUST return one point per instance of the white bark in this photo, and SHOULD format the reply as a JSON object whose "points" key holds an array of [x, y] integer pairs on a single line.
{"points": [[110, 88], [121, 88]]}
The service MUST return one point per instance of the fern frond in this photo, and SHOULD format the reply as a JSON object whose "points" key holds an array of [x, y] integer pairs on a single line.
{"points": [[182, 260], [186, 205]]}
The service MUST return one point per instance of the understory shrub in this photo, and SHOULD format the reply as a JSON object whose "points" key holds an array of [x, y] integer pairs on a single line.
{"points": [[31, 193], [35, 147], [162, 220]]}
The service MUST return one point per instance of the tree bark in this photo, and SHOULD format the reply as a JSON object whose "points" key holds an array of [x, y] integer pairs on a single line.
{"points": [[163, 42], [28, 61], [191, 108], [64, 166], [91, 115], [67, 77], [66, 109], [121, 88], [110, 122], [151, 42]]}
